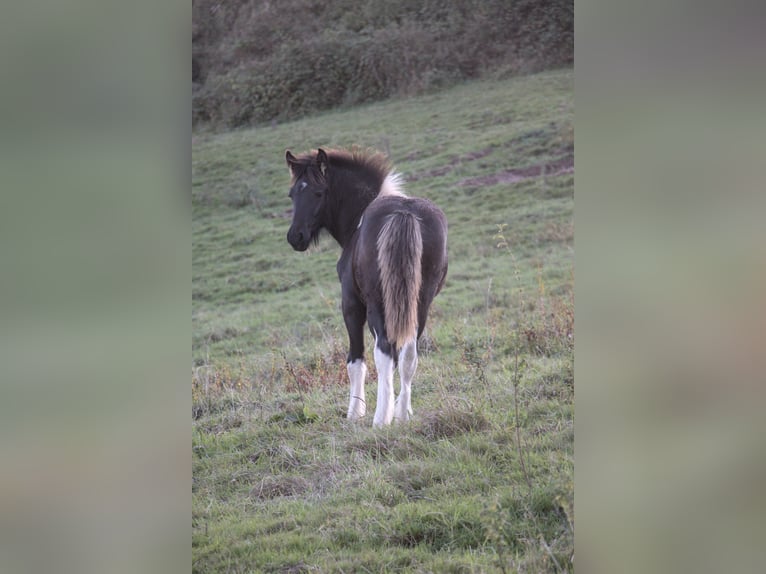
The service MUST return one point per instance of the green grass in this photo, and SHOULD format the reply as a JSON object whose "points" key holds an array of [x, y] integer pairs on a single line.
{"points": [[481, 479]]}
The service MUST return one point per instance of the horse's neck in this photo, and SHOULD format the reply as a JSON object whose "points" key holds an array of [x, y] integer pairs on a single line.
{"points": [[347, 216]]}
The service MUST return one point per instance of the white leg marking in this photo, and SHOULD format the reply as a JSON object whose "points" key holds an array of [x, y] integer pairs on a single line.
{"points": [[408, 363], [357, 372], [384, 410]]}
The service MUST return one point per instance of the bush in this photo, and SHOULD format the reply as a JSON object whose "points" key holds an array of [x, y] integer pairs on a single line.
{"points": [[253, 62]]}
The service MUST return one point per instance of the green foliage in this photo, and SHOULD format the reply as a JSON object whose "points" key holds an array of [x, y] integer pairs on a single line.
{"points": [[480, 480], [253, 61]]}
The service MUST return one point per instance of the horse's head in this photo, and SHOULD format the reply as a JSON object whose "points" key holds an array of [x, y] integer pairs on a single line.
{"points": [[308, 191]]}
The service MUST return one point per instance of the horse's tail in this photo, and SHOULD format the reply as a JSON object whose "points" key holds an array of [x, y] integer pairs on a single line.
{"points": [[400, 248]]}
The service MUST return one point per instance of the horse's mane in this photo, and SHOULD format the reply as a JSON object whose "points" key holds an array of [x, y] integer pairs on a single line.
{"points": [[373, 164]]}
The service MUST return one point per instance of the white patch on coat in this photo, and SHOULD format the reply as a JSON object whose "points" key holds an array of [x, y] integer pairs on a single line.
{"points": [[392, 185], [357, 372], [408, 363], [384, 410]]}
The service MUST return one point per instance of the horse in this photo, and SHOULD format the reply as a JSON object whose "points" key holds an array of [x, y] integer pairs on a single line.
{"points": [[392, 264]]}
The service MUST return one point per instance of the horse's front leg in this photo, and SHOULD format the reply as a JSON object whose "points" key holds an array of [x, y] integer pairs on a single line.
{"points": [[354, 315]]}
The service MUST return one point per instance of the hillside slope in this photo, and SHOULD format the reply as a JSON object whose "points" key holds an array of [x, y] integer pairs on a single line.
{"points": [[482, 478]]}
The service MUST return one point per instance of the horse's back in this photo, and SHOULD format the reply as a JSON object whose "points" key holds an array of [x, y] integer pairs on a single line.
{"points": [[432, 219], [433, 223]]}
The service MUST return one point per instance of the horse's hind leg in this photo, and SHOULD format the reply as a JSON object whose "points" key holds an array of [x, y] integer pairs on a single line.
{"points": [[408, 363], [384, 363]]}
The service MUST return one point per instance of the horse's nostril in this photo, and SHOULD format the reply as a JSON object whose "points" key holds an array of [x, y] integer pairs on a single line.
{"points": [[298, 239]]}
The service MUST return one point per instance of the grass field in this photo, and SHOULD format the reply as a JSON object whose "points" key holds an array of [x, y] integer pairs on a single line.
{"points": [[481, 480]]}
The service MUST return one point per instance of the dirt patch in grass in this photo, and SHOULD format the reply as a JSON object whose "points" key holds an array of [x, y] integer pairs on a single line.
{"points": [[560, 166], [453, 161], [530, 144]]}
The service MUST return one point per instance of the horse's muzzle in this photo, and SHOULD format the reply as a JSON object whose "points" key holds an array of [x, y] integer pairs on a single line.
{"points": [[299, 240]]}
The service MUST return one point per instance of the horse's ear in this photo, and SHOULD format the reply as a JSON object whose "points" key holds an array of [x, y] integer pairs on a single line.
{"points": [[322, 161], [290, 159]]}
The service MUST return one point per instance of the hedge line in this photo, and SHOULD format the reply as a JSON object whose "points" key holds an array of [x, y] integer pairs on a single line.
{"points": [[253, 62]]}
